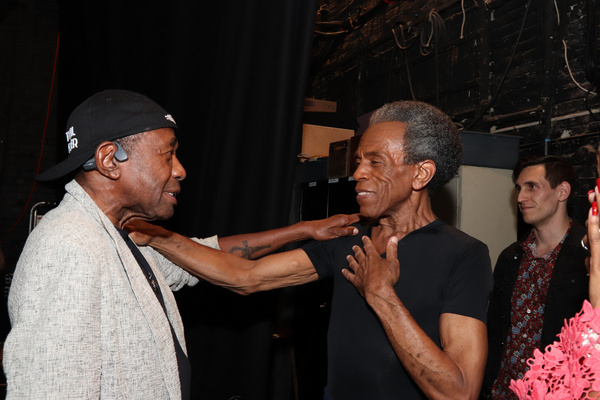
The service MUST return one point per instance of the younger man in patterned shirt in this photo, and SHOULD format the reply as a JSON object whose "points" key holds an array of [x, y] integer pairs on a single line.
{"points": [[538, 282]]}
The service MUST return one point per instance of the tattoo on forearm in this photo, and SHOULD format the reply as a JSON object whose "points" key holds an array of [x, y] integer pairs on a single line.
{"points": [[247, 251]]}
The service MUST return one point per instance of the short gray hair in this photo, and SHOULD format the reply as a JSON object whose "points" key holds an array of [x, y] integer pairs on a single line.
{"points": [[430, 135]]}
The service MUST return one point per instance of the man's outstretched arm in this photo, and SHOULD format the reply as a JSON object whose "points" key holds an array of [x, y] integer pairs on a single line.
{"points": [[256, 245], [224, 269]]}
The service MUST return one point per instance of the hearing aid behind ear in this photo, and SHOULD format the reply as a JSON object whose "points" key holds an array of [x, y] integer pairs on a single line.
{"points": [[120, 156]]}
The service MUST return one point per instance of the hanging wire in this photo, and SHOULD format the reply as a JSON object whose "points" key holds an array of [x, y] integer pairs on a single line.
{"points": [[356, 18], [464, 15], [403, 48], [571, 73], [405, 44], [510, 60], [566, 56], [434, 31], [42, 146], [588, 108]]}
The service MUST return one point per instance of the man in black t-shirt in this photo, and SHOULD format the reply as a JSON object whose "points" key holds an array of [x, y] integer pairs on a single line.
{"points": [[406, 325], [443, 271]]}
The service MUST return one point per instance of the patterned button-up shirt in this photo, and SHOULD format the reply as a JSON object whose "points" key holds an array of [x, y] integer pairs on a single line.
{"points": [[527, 314]]}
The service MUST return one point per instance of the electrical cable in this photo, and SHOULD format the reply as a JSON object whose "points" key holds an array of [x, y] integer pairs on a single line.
{"points": [[351, 23], [464, 15], [396, 38], [42, 146], [425, 44], [566, 56], [510, 60], [403, 48], [437, 32], [588, 108], [571, 73], [405, 45]]}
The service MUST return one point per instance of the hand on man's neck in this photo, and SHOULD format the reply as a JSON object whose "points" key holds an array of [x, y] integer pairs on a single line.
{"points": [[416, 214]]}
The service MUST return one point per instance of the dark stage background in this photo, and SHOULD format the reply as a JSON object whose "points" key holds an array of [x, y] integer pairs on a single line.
{"points": [[233, 74]]}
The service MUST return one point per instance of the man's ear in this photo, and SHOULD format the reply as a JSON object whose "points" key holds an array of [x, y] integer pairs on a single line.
{"points": [[106, 163], [424, 174], [564, 190]]}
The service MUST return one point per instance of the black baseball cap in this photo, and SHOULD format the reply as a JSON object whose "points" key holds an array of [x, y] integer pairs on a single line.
{"points": [[107, 115]]}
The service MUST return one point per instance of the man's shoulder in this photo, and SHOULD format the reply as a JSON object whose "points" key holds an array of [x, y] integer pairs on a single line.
{"points": [[63, 217], [61, 242], [571, 248], [65, 225], [448, 232], [513, 248]]}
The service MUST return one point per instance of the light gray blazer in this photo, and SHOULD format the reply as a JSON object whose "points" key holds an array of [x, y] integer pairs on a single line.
{"points": [[85, 322]]}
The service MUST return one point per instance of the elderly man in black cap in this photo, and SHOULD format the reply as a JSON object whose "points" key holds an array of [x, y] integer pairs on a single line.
{"points": [[92, 315]]}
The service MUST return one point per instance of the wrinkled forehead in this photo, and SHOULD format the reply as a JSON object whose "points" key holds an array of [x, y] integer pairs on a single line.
{"points": [[392, 131], [385, 136]]}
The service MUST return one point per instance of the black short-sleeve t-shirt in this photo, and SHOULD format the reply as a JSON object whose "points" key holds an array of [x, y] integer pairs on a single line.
{"points": [[442, 270]]}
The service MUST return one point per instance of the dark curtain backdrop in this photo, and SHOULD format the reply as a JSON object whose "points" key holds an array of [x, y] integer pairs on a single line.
{"points": [[233, 74]]}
